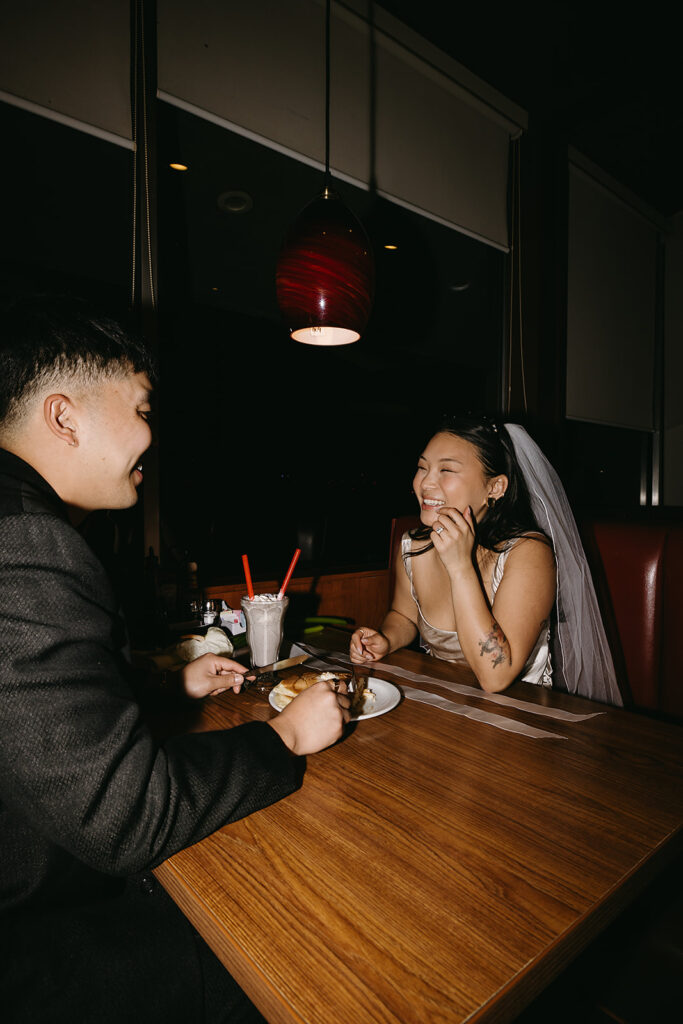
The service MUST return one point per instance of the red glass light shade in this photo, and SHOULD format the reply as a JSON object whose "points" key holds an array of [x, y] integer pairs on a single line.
{"points": [[325, 274]]}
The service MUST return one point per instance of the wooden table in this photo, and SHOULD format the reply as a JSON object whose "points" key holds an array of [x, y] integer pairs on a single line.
{"points": [[433, 868]]}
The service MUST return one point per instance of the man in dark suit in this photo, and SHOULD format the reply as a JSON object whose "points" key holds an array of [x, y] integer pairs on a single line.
{"points": [[89, 802]]}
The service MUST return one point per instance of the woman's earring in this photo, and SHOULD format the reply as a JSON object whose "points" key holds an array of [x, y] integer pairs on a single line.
{"points": [[490, 501]]}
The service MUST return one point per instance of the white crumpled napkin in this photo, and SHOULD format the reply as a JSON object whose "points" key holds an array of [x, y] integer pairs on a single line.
{"points": [[191, 648], [215, 642]]}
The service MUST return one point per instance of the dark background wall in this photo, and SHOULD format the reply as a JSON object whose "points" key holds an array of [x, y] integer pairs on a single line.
{"points": [[265, 444]]}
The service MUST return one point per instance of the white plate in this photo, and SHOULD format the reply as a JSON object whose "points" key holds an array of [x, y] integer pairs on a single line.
{"points": [[386, 694]]}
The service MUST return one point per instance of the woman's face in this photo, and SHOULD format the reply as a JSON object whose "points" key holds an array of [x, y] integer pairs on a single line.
{"points": [[449, 473]]}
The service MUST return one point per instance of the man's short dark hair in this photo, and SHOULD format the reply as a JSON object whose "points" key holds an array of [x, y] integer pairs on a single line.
{"points": [[47, 339]]}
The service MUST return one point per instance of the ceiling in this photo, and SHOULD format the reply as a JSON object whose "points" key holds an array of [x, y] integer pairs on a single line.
{"points": [[604, 76]]}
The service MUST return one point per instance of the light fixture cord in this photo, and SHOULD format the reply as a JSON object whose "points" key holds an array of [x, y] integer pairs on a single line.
{"points": [[327, 91]]}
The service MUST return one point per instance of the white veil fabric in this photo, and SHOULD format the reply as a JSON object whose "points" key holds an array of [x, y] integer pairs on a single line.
{"points": [[582, 662]]}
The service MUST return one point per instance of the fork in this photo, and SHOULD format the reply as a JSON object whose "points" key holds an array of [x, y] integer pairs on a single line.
{"points": [[351, 685]]}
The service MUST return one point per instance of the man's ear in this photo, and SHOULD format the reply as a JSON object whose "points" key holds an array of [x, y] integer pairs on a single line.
{"points": [[58, 412]]}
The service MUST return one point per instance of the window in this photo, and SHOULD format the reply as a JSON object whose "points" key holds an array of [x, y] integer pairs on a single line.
{"points": [[268, 444]]}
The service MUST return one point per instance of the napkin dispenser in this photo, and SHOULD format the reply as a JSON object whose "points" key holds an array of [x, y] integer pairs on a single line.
{"points": [[232, 620]]}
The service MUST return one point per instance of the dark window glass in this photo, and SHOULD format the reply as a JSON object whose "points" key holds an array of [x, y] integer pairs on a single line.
{"points": [[266, 443], [603, 464], [67, 214]]}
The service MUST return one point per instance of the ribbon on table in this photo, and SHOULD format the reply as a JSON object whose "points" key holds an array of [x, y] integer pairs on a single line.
{"points": [[338, 658], [485, 717], [323, 660]]}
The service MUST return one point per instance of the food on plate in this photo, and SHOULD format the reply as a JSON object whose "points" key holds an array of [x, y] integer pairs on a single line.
{"points": [[294, 681]]}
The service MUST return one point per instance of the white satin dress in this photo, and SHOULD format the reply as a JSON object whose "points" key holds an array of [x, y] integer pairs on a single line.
{"points": [[445, 645]]}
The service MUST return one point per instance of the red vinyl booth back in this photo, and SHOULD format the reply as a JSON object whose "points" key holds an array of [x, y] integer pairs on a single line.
{"points": [[671, 690], [633, 562], [641, 567], [398, 528]]}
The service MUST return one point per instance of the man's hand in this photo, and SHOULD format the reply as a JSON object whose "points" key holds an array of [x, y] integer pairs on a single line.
{"points": [[210, 675], [367, 645], [313, 720]]}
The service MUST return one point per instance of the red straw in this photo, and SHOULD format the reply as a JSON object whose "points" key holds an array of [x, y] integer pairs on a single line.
{"points": [[289, 573], [247, 576]]}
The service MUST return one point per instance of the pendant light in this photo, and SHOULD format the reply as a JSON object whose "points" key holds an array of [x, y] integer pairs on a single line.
{"points": [[325, 271]]}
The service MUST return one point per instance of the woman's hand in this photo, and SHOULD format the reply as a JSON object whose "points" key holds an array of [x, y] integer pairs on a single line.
{"points": [[210, 675], [453, 539], [367, 645]]}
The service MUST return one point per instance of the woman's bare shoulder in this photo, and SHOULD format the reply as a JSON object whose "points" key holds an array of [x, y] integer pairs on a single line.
{"points": [[530, 548]]}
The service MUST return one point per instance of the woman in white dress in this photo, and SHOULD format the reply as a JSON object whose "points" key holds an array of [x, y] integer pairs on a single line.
{"points": [[496, 551]]}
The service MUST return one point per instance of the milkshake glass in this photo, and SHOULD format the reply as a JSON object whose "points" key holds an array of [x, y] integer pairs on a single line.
{"points": [[265, 615]]}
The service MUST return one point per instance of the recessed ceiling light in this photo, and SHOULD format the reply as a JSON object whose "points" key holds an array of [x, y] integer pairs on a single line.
{"points": [[235, 201], [178, 167], [392, 247]]}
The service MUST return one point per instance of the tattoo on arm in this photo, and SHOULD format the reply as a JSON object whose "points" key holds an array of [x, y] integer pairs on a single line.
{"points": [[496, 644]]}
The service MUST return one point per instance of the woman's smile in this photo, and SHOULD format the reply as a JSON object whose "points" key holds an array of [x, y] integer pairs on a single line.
{"points": [[428, 503]]}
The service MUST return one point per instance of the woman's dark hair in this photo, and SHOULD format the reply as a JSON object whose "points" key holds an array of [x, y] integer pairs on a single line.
{"points": [[511, 516]]}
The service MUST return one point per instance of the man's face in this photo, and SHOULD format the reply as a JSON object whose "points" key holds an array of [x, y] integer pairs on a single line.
{"points": [[113, 433]]}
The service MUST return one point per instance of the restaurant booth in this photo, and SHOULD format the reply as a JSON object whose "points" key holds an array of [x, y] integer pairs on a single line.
{"points": [[461, 855]]}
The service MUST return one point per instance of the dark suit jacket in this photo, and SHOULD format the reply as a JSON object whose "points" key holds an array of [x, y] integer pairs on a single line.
{"points": [[89, 802]]}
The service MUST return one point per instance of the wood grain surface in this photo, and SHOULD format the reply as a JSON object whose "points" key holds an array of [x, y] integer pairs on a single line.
{"points": [[433, 868]]}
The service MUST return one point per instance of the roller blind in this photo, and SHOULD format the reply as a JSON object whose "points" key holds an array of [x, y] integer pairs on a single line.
{"points": [[70, 61], [611, 307], [438, 146]]}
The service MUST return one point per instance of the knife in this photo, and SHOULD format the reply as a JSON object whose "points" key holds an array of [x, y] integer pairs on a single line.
{"points": [[277, 665]]}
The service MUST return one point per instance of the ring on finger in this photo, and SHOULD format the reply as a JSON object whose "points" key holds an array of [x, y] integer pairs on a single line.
{"points": [[439, 530]]}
